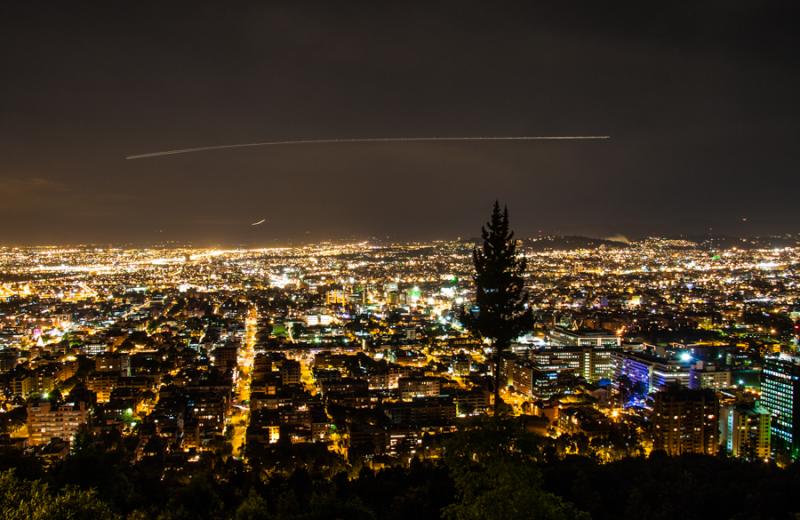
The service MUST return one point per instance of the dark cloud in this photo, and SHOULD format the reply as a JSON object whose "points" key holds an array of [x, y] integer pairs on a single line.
{"points": [[700, 99]]}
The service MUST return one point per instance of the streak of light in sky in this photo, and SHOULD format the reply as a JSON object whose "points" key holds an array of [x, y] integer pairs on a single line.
{"points": [[367, 140]]}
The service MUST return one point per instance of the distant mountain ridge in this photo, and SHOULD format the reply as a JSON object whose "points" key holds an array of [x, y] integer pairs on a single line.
{"points": [[556, 242]]}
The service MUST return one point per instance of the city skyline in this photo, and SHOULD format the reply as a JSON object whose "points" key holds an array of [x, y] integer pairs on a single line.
{"points": [[457, 260], [345, 363]]}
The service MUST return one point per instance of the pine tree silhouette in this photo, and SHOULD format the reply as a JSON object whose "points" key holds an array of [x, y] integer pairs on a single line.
{"points": [[501, 300]]}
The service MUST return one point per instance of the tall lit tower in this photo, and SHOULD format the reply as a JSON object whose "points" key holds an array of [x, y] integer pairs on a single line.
{"points": [[780, 394]]}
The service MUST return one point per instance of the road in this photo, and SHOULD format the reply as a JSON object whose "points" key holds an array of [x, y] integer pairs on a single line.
{"points": [[240, 415]]}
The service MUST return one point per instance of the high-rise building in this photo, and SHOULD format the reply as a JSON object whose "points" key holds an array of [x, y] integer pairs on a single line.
{"points": [[686, 421], [780, 394], [746, 431], [529, 380]]}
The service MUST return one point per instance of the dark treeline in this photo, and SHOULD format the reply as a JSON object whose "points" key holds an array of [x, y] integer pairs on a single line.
{"points": [[495, 471]]}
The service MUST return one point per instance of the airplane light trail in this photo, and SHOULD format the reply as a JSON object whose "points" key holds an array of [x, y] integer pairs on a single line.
{"points": [[367, 140]]}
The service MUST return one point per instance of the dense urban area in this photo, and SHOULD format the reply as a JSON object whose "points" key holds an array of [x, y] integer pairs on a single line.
{"points": [[338, 380]]}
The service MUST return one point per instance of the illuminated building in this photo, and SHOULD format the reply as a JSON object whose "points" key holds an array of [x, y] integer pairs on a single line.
{"points": [[313, 320], [422, 411], [686, 421], [591, 363], [654, 372], [47, 420], [40, 381], [746, 431], [209, 408], [336, 297], [472, 401], [780, 394], [529, 380], [583, 338], [264, 427], [703, 375], [461, 364], [520, 373], [116, 363], [419, 386], [102, 384]]}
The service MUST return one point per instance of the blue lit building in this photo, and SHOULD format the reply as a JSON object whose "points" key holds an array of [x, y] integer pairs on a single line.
{"points": [[780, 394], [656, 373]]}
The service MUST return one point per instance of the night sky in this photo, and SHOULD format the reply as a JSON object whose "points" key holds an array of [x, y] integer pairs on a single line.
{"points": [[701, 100]]}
